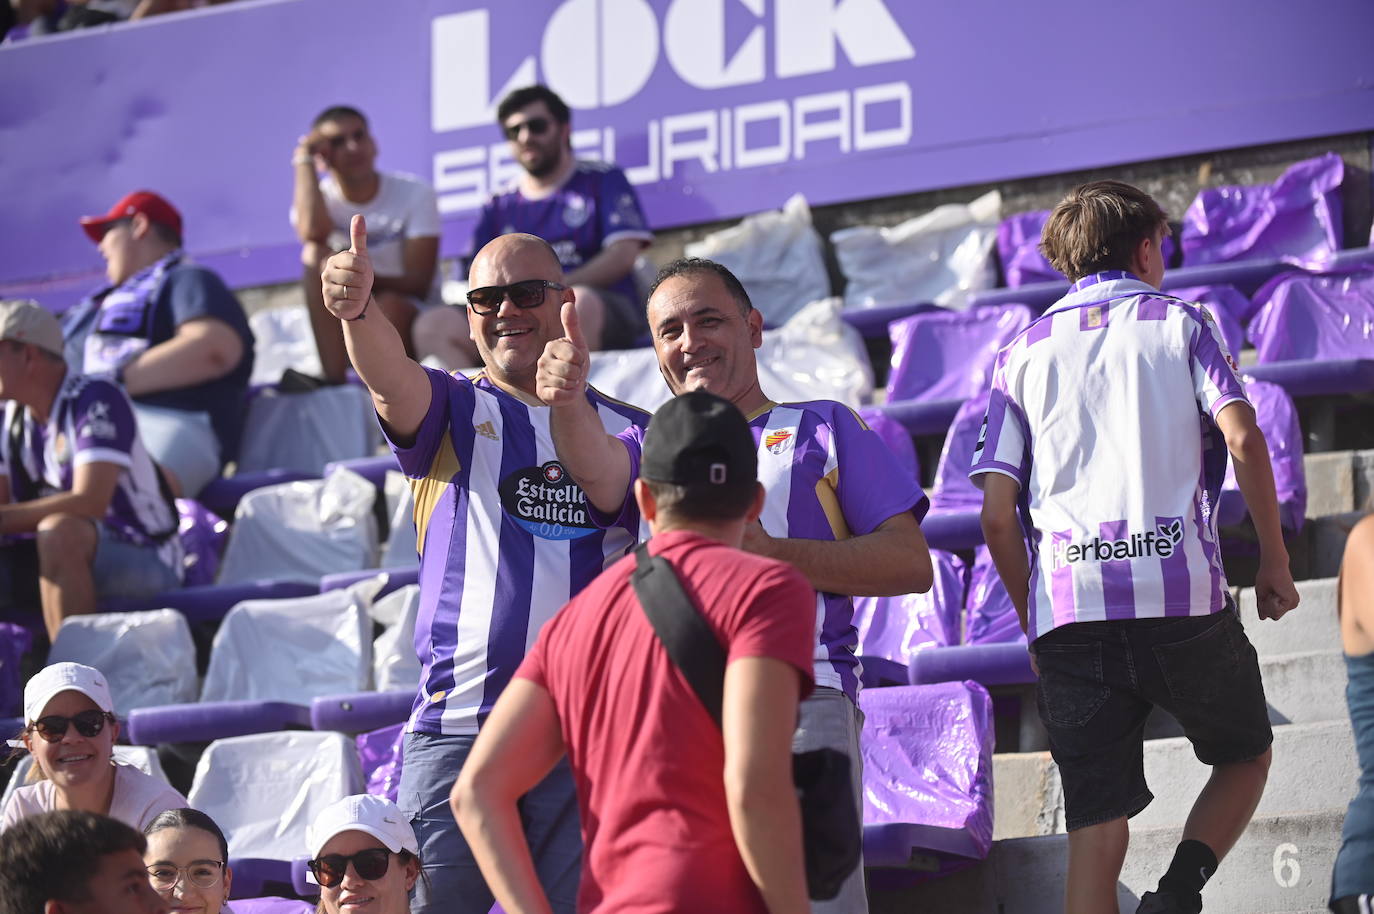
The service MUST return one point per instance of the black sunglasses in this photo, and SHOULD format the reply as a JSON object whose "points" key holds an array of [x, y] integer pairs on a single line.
{"points": [[369, 864], [528, 293], [536, 126], [87, 723]]}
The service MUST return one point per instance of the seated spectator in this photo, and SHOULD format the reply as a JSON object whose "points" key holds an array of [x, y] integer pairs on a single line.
{"points": [[70, 728], [352, 843], [172, 333], [402, 219], [74, 862], [74, 470], [690, 806], [585, 209], [188, 861]]}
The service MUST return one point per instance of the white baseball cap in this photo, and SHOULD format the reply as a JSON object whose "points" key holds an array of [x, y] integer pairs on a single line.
{"points": [[377, 816], [25, 321], [63, 677]]}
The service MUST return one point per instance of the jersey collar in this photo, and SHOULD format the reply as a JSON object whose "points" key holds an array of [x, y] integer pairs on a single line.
{"points": [[1099, 287]]}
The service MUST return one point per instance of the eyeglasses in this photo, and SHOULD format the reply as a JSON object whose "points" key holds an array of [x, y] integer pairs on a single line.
{"points": [[528, 293], [203, 874], [535, 125], [341, 140], [88, 723], [369, 864]]}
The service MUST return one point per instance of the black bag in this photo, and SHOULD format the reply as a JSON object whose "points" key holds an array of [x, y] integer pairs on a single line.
{"points": [[831, 836]]}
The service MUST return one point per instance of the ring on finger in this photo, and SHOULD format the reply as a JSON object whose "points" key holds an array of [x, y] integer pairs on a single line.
{"points": [[343, 291]]}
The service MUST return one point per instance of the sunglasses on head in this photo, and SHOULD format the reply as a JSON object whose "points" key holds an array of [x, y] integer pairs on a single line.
{"points": [[528, 293], [369, 864], [535, 125], [87, 723]]}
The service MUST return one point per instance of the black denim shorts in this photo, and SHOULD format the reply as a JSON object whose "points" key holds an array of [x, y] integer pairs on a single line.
{"points": [[1099, 680]]}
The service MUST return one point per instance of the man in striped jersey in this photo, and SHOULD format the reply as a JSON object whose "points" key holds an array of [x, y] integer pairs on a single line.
{"points": [[504, 534], [838, 506], [1105, 442]]}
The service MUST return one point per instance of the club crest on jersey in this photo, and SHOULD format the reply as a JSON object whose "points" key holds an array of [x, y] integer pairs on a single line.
{"points": [[779, 441], [575, 211], [546, 502], [98, 424]]}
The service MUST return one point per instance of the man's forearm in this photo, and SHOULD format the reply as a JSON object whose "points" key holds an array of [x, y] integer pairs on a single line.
{"points": [[1255, 477], [1008, 550], [608, 267], [598, 462], [23, 516], [883, 563], [497, 839], [185, 360], [398, 385], [312, 222], [767, 826]]}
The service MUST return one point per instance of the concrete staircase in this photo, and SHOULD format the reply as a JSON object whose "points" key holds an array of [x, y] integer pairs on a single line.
{"points": [[1283, 862]]}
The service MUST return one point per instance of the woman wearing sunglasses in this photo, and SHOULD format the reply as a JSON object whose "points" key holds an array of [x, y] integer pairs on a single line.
{"points": [[364, 856], [70, 728], [187, 859]]}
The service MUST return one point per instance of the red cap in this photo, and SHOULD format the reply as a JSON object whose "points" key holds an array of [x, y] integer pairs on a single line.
{"points": [[140, 201]]}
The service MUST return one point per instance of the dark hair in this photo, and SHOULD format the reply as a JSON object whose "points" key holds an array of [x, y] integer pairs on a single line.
{"points": [[700, 266], [708, 503], [519, 98], [1098, 226], [166, 233], [189, 818], [52, 856], [337, 113]]}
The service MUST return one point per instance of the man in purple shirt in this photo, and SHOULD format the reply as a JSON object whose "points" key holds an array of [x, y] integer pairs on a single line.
{"points": [[839, 506], [585, 209], [74, 472]]}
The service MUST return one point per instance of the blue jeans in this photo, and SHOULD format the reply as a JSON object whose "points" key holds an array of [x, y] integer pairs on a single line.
{"points": [[549, 813]]}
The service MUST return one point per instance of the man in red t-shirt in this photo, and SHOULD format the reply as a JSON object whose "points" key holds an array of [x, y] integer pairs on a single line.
{"points": [[678, 815]]}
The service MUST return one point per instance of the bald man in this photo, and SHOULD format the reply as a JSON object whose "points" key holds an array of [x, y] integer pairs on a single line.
{"points": [[504, 537]]}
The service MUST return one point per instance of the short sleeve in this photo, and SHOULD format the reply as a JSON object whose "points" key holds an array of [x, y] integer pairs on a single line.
{"points": [[1003, 440], [779, 622], [103, 425], [621, 216], [1215, 381], [535, 666], [417, 459], [871, 485], [423, 219], [194, 292]]}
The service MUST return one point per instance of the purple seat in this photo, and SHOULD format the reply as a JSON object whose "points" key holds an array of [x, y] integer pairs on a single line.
{"points": [[360, 711], [895, 436], [953, 530], [373, 469], [211, 604], [203, 534], [927, 754], [396, 579], [204, 721], [1318, 379], [255, 875], [10, 727], [953, 490], [1231, 310], [15, 641], [989, 664], [1296, 219], [944, 355], [1323, 316], [921, 417], [892, 629], [268, 905], [1278, 419], [381, 754], [872, 322], [1018, 248], [223, 495], [991, 616]]}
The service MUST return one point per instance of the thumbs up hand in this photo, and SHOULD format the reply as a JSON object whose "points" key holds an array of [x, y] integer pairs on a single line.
{"points": [[561, 377], [346, 279]]}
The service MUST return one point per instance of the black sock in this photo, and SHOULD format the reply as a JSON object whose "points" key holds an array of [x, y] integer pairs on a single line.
{"points": [[1194, 863]]}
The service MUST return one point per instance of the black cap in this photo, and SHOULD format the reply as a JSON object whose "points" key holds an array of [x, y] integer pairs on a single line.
{"points": [[699, 439]]}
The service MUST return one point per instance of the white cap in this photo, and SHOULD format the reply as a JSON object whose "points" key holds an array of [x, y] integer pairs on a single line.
{"points": [[25, 321], [63, 677], [362, 812]]}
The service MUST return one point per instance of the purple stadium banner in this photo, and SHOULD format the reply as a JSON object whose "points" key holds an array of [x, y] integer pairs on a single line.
{"points": [[716, 108]]}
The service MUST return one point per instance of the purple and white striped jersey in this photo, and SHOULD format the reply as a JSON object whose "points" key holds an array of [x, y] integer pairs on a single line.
{"points": [[827, 476], [1102, 411], [92, 421], [504, 539]]}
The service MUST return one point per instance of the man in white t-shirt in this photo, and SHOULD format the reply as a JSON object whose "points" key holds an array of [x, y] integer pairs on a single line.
{"points": [[1105, 443], [402, 219]]}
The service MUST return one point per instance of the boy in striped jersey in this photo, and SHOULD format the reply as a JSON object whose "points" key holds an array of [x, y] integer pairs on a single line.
{"points": [[838, 506], [505, 538], [1105, 442]]}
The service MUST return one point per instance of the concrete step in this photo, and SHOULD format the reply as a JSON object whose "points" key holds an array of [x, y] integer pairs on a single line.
{"points": [[1314, 767], [1311, 627], [1302, 688], [1281, 864]]}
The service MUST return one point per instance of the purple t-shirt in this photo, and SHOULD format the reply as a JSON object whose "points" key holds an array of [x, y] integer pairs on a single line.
{"points": [[92, 421], [593, 209], [828, 476], [504, 540]]}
